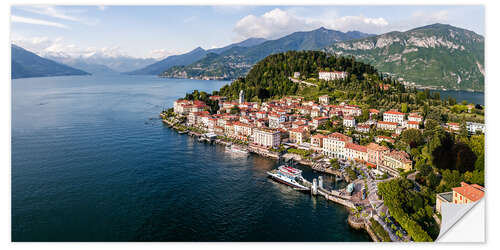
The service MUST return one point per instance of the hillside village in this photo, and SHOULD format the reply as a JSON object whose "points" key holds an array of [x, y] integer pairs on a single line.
{"points": [[390, 154], [297, 123]]}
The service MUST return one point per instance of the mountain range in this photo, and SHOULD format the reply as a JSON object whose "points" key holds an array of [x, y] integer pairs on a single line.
{"points": [[27, 64], [237, 60], [98, 63], [437, 56], [191, 57]]}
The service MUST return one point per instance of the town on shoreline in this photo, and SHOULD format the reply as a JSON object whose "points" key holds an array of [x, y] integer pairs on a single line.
{"points": [[360, 149]]}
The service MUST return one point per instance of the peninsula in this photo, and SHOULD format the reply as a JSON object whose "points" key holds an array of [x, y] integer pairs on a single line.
{"points": [[401, 149]]}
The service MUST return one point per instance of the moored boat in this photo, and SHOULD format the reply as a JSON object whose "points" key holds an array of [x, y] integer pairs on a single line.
{"points": [[289, 176], [236, 149]]}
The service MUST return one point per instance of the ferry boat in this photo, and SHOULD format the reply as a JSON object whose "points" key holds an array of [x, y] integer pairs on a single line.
{"points": [[289, 176], [236, 149]]}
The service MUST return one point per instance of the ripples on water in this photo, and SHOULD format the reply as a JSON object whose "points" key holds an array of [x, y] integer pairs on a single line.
{"points": [[91, 165]]}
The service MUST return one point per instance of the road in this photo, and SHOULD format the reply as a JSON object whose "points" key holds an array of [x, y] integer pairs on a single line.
{"points": [[303, 82], [393, 236], [377, 204]]}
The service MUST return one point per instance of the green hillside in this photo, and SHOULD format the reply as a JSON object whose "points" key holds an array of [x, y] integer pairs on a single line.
{"points": [[237, 61], [438, 56]]}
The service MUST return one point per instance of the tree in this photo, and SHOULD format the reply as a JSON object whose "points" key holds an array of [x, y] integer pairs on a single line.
{"points": [[451, 178], [465, 158], [405, 205], [235, 110], [404, 107], [433, 180], [334, 163], [365, 115], [452, 101], [412, 137], [463, 131]]}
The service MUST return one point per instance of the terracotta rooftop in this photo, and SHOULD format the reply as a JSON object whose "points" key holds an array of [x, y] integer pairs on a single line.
{"points": [[340, 136], [388, 123], [319, 136], [376, 147], [400, 156], [472, 192], [393, 112], [356, 147], [320, 118]]}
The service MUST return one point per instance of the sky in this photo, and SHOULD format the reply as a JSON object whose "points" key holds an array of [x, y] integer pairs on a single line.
{"points": [[160, 31]]}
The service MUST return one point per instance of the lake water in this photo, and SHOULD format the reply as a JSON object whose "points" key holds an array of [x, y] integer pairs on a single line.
{"points": [[460, 95], [92, 162]]}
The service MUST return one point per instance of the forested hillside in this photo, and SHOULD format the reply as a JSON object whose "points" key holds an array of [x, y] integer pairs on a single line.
{"points": [[269, 77]]}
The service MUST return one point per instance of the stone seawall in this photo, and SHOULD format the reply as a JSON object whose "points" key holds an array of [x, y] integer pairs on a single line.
{"points": [[358, 224]]}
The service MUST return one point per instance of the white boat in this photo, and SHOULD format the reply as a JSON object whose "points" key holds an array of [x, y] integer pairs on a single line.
{"points": [[289, 176], [236, 149]]}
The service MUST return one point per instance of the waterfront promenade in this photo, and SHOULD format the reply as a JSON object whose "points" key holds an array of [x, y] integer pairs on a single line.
{"points": [[369, 206]]}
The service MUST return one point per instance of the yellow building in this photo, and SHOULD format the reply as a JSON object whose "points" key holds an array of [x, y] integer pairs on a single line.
{"points": [[467, 193], [395, 160]]}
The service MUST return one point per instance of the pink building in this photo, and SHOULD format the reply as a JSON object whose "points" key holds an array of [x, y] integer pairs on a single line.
{"points": [[375, 153]]}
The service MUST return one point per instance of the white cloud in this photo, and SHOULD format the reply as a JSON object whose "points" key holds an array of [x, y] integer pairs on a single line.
{"points": [[20, 19], [277, 23], [272, 24], [159, 54], [58, 47], [190, 19], [73, 14], [51, 11]]}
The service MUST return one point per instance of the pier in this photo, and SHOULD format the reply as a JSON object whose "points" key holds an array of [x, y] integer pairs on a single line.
{"points": [[343, 197], [336, 196]]}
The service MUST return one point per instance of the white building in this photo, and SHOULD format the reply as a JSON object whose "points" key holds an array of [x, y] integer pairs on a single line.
{"points": [[387, 125], [363, 128], [394, 116], [473, 127], [242, 97], [355, 152], [324, 99], [349, 122], [275, 120], [266, 137], [242, 129], [182, 107], [412, 124], [334, 144], [328, 76], [350, 110], [413, 117]]}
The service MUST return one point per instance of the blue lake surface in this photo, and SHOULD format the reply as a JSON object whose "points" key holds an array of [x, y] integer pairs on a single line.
{"points": [[91, 161], [461, 95]]}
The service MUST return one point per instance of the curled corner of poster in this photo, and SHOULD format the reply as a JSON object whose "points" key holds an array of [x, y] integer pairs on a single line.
{"points": [[463, 222]]}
